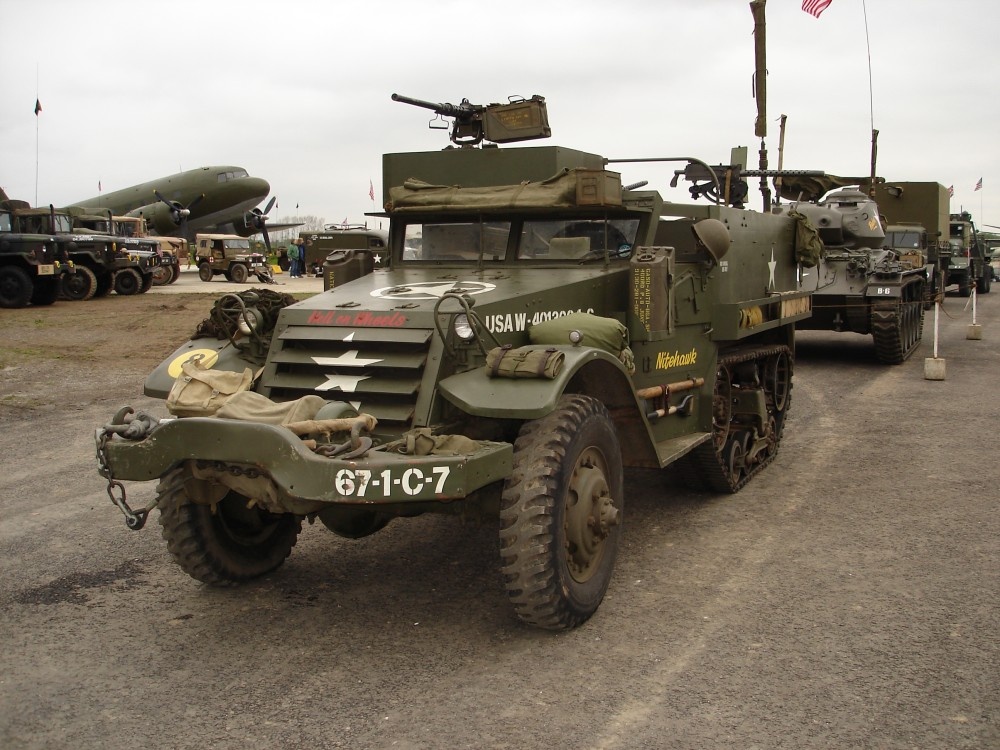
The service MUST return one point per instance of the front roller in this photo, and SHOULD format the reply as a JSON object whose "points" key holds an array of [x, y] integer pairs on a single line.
{"points": [[561, 514]]}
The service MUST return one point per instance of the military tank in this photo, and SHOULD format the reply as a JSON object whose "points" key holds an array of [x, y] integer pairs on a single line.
{"points": [[858, 285], [540, 331]]}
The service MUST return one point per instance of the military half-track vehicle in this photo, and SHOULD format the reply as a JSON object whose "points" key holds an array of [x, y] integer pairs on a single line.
{"points": [[31, 265], [858, 285], [541, 331], [231, 256]]}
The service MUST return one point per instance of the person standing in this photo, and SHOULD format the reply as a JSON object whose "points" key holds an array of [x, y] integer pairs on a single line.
{"points": [[293, 259]]}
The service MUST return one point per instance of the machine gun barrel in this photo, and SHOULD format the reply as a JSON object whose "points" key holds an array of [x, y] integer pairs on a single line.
{"points": [[446, 110]]}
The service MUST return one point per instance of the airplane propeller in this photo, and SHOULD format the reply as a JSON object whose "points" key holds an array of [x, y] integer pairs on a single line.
{"points": [[179, 213], [257, 220]]}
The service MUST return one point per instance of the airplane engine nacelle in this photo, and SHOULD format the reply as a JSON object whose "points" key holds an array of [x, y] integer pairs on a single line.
{"points": [[159, 218]]}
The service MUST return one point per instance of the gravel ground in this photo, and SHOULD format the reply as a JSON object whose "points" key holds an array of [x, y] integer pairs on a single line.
{"points": [[847, 597]]}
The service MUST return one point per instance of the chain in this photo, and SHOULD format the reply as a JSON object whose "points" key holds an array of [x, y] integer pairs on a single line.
{"points": [[130, 427]]}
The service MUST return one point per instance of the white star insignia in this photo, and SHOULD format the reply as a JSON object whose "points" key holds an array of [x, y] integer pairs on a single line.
{"points": [[772, 264], [347, 359], [346, 383]]}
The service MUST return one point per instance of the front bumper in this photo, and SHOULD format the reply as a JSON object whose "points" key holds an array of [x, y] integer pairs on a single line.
{"points": [[306, 481]]}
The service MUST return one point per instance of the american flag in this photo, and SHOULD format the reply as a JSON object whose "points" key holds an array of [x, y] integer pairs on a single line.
{"points": [[371, 190], [979, 185], [951, 191], [815, 7]]}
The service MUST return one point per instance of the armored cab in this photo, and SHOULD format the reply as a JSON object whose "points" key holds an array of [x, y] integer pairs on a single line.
{"points": [[541, 331], [858, 285]]}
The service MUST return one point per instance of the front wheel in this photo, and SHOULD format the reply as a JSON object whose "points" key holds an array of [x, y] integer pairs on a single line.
{"points": [[127, 282], [205, 272], [561, 514], [984, 282], [80, 285], [15, 287], [224, 544], [238, 273]]}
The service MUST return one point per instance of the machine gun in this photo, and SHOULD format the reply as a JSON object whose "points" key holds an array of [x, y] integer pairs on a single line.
{"points": [[729, 185], [519, 120]]}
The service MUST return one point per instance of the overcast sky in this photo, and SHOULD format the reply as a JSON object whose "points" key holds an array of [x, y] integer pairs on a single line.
{"points": [[298, 92]]}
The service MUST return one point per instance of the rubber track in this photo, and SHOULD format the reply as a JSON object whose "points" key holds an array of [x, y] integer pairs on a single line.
{"points": [[898, 326], [703, 467]]}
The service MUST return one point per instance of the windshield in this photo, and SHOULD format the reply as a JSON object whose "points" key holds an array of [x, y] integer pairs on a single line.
{"points": [[570, 239], [237, 244], [4, 222], [907, 240]]}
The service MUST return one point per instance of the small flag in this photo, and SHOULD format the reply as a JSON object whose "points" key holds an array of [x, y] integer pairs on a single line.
{"points": [[38, 107], [371, 190], [951, 191], [979, 185], [296, 206], [98, 186], [815, 7], [344, 222]]}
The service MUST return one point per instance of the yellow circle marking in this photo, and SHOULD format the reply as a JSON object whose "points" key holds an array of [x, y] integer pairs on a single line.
{"points": [[208, 359]]}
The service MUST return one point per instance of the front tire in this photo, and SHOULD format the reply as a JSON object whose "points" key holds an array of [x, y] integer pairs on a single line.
{"points": [[239, 273], [46, 291], [81, 285], [127, 282], [561, 514], [226, 544], [205, 272], [15, 287]]}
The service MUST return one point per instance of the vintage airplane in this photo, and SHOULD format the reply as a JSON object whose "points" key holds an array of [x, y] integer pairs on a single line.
{"points": [[218, 198]]}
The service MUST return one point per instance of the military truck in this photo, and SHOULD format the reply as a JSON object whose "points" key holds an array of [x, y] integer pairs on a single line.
{"points": [[550, 331], [916, 218], [96, 257], [342, 252], [860, 286], [169, 249], [31, 265], [144, 254], [970, 263], [231, 256]]}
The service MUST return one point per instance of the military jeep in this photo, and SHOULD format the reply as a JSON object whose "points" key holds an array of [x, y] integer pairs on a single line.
{"points": [[231, 256]]}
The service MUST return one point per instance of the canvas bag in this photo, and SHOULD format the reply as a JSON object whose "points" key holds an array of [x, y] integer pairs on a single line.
{"points": [[200, 392]]}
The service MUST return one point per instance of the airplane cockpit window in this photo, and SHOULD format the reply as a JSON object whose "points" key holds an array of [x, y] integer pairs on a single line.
{"points": [[234, 175]]}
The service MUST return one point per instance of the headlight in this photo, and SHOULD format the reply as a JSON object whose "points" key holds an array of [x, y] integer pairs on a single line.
{"points": [[250, 321], [463, 327]]}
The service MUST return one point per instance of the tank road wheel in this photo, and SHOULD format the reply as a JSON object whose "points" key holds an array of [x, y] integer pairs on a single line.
{"points": [[15, 287], [205, 272], [238, 273], [722, 406], [227, 544], [46, 291], [127, 282], [734, 455], [79, 286], [561, 514]]}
